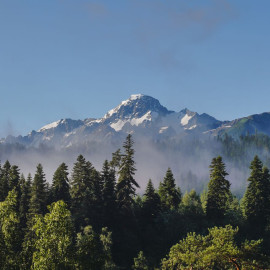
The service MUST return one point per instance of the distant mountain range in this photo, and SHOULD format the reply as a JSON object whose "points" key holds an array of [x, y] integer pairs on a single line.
{"points": [[140, 115], [185, 141]]}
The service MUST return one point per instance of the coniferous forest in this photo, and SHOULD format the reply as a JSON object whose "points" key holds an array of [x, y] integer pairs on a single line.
{"points": [[96, 220]]}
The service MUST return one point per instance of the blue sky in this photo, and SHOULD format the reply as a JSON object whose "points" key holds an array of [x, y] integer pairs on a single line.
{"points": [[78, 59]]}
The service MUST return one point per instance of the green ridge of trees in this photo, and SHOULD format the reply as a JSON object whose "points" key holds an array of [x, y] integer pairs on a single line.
{"points": [[96, 220]]}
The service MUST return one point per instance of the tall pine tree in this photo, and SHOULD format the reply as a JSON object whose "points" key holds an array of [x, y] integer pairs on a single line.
{"points": [[25, 191], [81, 191], [116, 160], [4, 180], [96, 209], [151, 202], [108, 193], [256, 201], [14, 178], [126, 185], [39, 193], [218, 195], [170, 195], [60, 185]]}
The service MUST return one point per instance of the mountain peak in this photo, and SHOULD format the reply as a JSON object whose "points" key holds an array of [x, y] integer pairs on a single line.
{"points": [[137, 105], [187, 111], [136, 96]]}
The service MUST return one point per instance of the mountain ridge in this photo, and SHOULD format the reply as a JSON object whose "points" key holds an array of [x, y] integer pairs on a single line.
{"points": [[140, 114]]}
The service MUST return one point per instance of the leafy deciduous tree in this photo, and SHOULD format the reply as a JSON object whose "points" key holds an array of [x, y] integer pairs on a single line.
{"points": [[9, 232], [53, 244]]}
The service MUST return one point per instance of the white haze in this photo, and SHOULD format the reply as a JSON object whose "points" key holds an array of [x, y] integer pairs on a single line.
{"points": [[190, 167]]}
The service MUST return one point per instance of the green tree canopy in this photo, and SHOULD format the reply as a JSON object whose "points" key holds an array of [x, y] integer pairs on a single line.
{"points": [[4, 180], [191, 203], [108, 192], [53, 244], [151, 201], [140, 263], [9, 232], [256, 201], [217, 250], [126, 185], [90, 250], [170, 196], [81, 191], [60, 185], [25, 190], [39, 193], [218, 195]]}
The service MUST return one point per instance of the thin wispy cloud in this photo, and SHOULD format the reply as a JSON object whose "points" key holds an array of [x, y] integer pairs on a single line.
{"points": [[160, 29]]}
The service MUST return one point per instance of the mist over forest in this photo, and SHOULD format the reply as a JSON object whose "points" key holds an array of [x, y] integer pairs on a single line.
{"points": [[189, 158]]}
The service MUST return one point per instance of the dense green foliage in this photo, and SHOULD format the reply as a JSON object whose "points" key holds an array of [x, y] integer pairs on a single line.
{"points": [[96, 220], [218, 194], [216, 250], [170, 196]]}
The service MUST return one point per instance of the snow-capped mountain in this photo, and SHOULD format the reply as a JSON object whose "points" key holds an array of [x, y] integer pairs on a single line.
{"points": [[163, 138], [139, 115]]}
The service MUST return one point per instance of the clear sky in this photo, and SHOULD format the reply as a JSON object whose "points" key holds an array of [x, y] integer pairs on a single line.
{"points": [[78, 59]]}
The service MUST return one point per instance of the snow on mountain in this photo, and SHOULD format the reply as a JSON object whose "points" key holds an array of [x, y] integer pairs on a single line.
{"points": [[118, 125], [185, 119], [139, 115], [49, 126]]}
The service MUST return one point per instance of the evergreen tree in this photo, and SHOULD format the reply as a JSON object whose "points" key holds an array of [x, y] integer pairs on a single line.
{"points": [[256, 201], [116, 160], [203, 198], [1, 188], [89, 250], [25, 190], [191, 204], [4, 181], [108, 193], [27, 222], [60, 185], [151, 202], [218, 195], [81, 191], [97, 186], [38, 201], [14, 178], [37, 206], [126, 182], [96, 209], [170, 195]]}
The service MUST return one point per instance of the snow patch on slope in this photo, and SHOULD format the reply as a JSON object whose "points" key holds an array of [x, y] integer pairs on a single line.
{"points": [[117, 126], [185, 119], [49, 126], [192, 127], [162, 130]]}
